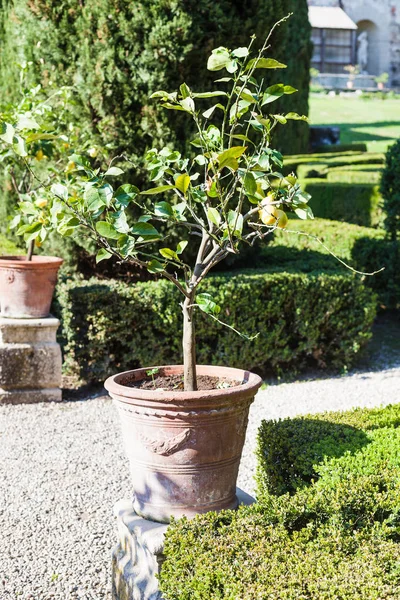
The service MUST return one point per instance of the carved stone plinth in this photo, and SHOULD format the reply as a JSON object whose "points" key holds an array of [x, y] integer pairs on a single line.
{"points": [[30, 361], [139, 554]]}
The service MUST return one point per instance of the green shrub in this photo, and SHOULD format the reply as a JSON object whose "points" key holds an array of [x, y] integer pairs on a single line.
{"points": [[354, 168], [109, 326], [341, 159], [371, 255], [8, 247], [343, 175], [357, 203], [356, 147], [363, 248], [117, 53], [390, 190], [336, 538], [312, 169], [294, 452]]}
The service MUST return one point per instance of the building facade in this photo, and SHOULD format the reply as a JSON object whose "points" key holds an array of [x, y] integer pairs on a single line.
{"points": [[374, 46]]}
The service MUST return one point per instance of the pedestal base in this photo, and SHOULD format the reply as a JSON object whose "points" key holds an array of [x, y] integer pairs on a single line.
{"points": [[30, 361], [139, 554]]}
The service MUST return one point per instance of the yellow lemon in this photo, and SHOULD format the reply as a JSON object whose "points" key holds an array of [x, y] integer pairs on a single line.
{"points": [[92, 152], [39, 155], [70, 166], [41, 202], [269, 215], [282, 219]]}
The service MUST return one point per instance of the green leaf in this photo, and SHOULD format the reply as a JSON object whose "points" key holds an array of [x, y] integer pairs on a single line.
{"points": [[232, 66], [154, 266], [289, 89], [60, 191], [218, 60], [207, 304], [179, 210], [272, 93], [228, 157], [188, 104], [185, 91], [145, 230], [126, 245], [30, 232], [295, 117], [280, 118], [250, 184], [27, 208], [113, 172], [95, 200], [181, 246], [20, 146], [209, 112], [119, 221], [107, 230], [7, 132], [172, 106], [240, 52], [182, 182], [15, 222], [209, 94], [125, 194], [169, 254], [27, 122], [235, 222], [264, 63], [304, 213], [163, 209], [157, 190], [102, 254], [213, 216]]}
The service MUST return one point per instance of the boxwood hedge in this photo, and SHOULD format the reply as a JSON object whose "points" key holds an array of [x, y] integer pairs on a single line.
{"points": [[336, 537], [301, 317]]}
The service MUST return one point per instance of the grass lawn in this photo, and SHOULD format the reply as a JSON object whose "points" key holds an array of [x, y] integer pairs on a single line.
{"points": [[376, 122]]}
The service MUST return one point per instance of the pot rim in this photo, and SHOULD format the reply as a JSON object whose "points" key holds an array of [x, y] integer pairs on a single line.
{"points": [[252, 383], [37, 262]]}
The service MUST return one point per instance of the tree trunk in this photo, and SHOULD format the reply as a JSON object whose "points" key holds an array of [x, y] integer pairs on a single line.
{"points": [[189, 346], [30, 250]]}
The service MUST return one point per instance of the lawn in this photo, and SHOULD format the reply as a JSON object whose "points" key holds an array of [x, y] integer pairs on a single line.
{"points": [[376, 122]]}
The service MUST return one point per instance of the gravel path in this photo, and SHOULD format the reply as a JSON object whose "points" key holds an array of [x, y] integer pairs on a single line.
{"points": [[62, 469]]}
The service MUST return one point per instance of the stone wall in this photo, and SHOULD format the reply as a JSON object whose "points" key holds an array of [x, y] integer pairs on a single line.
{"points": [[381, 19]]}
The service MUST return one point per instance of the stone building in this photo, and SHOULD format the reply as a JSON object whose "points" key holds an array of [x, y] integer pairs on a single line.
{"points": [[363, 32]]}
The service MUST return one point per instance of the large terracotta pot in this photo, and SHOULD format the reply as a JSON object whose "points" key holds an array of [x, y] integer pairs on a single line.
{"points": [[27, 287], [184, 448]]}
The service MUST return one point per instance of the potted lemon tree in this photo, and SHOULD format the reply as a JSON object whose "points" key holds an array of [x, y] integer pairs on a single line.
{"points": [[184, 425], [32, 150]]}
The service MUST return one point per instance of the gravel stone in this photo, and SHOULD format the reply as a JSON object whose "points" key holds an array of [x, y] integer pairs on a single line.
{"points": [[62, 469]]}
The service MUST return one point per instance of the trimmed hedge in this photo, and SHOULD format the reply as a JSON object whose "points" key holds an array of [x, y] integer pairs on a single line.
{"points": [[336, 538], [356, 147], [292, 453], [357, 203], [344, 175], [363, 248], [302, 318], [334, 160]]}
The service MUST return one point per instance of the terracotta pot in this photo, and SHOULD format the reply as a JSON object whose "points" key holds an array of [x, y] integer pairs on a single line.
{"points": [[381, 86], [27, 287], [184, 448]]}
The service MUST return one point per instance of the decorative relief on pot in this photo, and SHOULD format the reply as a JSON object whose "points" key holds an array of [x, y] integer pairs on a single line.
{"points": [[165, 447], [10, 277]]}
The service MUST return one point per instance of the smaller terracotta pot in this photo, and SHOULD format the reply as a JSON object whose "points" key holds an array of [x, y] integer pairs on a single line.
{"points": [[27, 287]]}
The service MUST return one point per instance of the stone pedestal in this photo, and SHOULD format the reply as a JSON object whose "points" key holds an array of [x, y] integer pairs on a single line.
{"points": [[139, 553], [30, 361]]}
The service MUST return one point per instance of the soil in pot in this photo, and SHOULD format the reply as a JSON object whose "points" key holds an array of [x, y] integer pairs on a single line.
{"points": [[175, 382]]}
